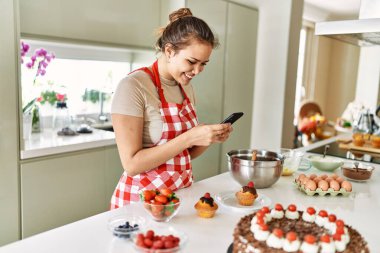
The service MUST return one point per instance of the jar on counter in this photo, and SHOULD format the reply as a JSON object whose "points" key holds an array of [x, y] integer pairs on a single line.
{"points": [[61, 116]]}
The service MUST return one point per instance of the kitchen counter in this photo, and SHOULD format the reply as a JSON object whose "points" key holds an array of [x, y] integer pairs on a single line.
{"points": [[359, 210], [49, 143]]}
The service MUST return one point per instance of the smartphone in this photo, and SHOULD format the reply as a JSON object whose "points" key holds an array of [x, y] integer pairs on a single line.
{"points": [[232, 118]]}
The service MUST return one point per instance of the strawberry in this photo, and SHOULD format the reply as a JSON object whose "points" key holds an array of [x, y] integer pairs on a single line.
{"points": [[278, 207], [167, 192], [337, 237], [161, 198], [292, 207], [325, 238], [322, 213], [260, 221], [339, 230], [158, 244], [149, 234], [207, 195], [250, 184], [169, 244], [265, 209], [278, 232], [264, 227], [291, 236], [339, 223], [332, 218], [310, 210], [148, 242], [309, 239], [147, 195], [260, 214]]}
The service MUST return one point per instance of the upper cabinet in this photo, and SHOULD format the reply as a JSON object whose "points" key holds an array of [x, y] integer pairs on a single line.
{"points": [[126, 22]]}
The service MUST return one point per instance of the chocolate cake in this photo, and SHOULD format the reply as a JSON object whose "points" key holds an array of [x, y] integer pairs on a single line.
{"points": [[245, 239]]}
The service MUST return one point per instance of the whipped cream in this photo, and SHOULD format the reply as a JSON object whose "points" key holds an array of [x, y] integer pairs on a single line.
{"points": [[330, 226], [292, 215], [274, 242], [291, 246], [327, 247], [261, 235], [309, 248], [308, 218], [321, 221], [255, 227], [340, 245], [277, 214], [268, 217]]}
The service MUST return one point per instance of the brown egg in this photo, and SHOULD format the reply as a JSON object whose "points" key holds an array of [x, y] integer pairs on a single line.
{"points": [[324, 176], [312, 176], [346, 185], [311, 185], [334, 176], [339, 179], [317, 179], [328, 179], [300, 177], [304, 180], [323, 185], [334, 185]]}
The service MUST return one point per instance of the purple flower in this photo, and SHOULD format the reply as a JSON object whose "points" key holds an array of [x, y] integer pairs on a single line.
{"points": [[29, 65]]}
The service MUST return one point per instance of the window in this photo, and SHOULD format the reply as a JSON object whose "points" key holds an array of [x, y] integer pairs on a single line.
{"points": [[83, 73]]}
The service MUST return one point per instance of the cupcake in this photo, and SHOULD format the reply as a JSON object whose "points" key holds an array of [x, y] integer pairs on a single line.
{"points": [[206, 207], [247, 195]]}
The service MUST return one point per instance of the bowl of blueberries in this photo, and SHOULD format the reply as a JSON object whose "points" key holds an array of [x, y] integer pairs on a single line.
{"points": [[124, 226]]}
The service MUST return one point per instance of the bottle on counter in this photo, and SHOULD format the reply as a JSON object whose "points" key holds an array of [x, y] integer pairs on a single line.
{"points": [[61, 116]]}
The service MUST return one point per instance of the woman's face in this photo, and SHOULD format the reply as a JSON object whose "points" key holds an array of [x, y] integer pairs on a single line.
{"points": [[185, 64]]}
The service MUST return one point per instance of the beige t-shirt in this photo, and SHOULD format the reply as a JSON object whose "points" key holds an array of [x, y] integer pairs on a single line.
{"points": [[137, 96]]}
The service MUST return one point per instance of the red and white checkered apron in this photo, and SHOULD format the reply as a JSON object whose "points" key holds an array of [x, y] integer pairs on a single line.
{"points": [[176, 173]]}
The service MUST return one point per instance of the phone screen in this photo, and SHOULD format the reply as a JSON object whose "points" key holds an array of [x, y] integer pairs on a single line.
{"points": [[232, 118]]}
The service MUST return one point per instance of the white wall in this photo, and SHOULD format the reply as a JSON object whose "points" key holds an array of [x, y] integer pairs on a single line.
{"points": [[276, 68]]}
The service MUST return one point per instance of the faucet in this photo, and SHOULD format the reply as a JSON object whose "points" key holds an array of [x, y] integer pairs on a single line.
{"points": [[102, 117]]}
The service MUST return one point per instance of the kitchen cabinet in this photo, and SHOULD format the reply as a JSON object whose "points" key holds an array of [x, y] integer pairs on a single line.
{"points": [[116, 22], [62, 189], [226, 85]]}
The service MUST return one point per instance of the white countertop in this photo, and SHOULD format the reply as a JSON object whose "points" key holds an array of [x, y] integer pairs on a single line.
{"points": [[360, 210], [49, 143]]}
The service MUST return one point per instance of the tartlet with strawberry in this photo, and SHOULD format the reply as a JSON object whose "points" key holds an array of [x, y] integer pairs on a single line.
{"points": [[206, 206], [247, 195]]}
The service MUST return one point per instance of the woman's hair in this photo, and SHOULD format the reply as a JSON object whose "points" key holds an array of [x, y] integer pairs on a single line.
{"points": [[182, 29]]}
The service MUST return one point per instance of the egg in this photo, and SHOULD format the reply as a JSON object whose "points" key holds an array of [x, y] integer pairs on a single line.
{"points": [[324, 176], [334, 185], [312, 176], [304, 180], [328, 179], [339, 179], [346, 185], [317, 179], [300, 177], [311, 185], [334, 176], [323, 185]]}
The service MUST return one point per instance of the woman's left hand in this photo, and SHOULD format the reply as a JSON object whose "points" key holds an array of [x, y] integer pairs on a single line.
{"points": [[224, 136]]}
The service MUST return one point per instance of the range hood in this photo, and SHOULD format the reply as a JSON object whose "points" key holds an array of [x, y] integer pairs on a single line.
{"points": [[364, 31]]}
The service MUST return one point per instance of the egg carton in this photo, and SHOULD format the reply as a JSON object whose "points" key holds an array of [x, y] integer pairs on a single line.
{"points": [[320, 192]]}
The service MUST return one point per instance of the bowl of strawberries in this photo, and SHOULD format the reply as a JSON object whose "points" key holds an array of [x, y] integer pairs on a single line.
{"points": [[160, 240], [162, 205]]}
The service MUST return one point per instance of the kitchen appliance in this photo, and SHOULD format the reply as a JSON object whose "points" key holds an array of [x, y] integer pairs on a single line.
{"points": [[364, 31], [264, 170]]}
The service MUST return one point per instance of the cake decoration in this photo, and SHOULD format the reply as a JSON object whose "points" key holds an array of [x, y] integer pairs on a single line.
{"points": [[247, 195], [258, 232]]}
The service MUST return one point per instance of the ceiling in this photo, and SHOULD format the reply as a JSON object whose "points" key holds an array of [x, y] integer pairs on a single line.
{"points": [[336, 9]]}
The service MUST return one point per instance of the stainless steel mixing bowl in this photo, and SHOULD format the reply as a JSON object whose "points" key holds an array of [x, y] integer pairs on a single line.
{"points": [[264, 172]]}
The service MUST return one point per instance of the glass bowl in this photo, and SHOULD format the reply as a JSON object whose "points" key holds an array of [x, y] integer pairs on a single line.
{"points": [[161, 212], [125, 226], [292, 161], [357, 171], [159, 238]]}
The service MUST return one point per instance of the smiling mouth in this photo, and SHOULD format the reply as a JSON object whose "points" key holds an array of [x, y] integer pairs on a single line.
{"points": [[189, 76]]}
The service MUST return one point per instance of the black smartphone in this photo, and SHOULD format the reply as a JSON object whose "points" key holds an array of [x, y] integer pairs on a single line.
{"points": [[232, 118]]}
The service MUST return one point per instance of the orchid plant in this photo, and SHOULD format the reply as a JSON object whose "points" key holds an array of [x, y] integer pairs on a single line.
{"points": [[38, 61]]}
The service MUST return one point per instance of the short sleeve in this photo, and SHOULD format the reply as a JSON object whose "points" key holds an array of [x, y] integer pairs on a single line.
{"points": [[128, 98]]}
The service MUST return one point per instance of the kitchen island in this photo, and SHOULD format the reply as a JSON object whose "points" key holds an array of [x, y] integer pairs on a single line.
{"points": [[360, 210]]}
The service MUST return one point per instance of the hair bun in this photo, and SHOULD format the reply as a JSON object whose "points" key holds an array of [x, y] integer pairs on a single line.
{"points": [[180, 13]]}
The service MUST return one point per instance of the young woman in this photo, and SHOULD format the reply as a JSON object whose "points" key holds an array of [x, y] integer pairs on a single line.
{"points": [[153, 114]]}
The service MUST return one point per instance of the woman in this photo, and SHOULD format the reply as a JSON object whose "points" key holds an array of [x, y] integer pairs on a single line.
{"points": [[153, 116]]}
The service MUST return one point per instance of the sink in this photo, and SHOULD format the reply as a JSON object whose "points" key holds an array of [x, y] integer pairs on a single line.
{"points": [[107, 126]]}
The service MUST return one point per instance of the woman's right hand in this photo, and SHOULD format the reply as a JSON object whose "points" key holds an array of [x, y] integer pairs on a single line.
{"points": [[205, 135]]}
